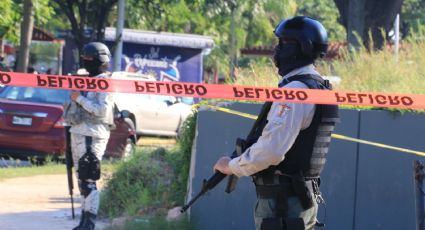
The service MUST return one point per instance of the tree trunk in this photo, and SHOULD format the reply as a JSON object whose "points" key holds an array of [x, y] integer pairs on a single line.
{"points": [[363, 17], [26, 36], [1, 49]]}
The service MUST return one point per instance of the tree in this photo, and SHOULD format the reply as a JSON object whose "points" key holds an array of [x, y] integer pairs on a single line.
{"points": [[9, 22], [26, 36], [361, 17], [12, 13], [412, 16], [86, 14], [326, 12]]}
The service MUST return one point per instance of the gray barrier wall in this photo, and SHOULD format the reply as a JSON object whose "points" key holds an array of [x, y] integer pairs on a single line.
{"points": [[365, 187]]}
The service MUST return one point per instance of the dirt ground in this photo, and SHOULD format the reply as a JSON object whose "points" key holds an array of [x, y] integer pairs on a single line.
{"points": [[42, 202], [38, 202]]}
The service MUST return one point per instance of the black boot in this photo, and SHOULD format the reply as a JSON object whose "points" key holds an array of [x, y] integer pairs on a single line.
{"points": [[82, 218], [89, 221]]}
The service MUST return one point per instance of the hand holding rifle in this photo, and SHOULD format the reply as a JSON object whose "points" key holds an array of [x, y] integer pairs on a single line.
{"points": [[222, 165]]}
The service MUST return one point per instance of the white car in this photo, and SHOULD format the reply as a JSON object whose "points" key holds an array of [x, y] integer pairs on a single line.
{"points": [[154, 114]]}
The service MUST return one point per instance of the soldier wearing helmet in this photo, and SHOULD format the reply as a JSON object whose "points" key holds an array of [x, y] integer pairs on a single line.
{"points": [[90, 115], [289, 152]]}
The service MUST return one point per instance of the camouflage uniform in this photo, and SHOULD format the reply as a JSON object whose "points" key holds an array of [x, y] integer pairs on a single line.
{"points": [[90, 115]]}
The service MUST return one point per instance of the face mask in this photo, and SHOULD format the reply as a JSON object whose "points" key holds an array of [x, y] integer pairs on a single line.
{"points": [[91, 66], [285, 53], [288, 56]]}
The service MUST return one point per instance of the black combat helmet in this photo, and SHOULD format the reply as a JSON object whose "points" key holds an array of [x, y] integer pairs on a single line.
{"points": [[96, 57], [301, 41], [310, 34]]}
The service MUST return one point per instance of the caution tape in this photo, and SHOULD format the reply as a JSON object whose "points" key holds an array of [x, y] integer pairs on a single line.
{"points": [[199, 90], [336, 136]]}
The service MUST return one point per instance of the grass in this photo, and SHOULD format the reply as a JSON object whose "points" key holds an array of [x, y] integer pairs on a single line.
{"points": [[361, 70], [153, 223], [49, 168]]}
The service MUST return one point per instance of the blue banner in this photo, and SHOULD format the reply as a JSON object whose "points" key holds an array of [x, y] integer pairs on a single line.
{"points": [[166, 63]]}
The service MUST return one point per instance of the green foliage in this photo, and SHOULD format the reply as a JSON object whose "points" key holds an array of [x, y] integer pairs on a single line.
{"points": [[42, 52], [254, 22], [154, 223], [150, 182], [11, 17], [138, 183], [43, 12], [413, 14], [50, 168], [362, 70], [180, 159], [326, 12], [381, 71]]}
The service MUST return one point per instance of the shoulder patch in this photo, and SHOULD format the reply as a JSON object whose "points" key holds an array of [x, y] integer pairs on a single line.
{"points": [[283, 108]]}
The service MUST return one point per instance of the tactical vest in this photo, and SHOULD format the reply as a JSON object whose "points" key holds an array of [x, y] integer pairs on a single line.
{"points": [[74, 114], [308, 153]]}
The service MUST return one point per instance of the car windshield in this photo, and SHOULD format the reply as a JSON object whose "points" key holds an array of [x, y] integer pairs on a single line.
{"points": [[188, 100], [41, 95]]}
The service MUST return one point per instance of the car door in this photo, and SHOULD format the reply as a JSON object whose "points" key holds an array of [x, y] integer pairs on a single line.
{"points": [[167, 117], [141, 106]]}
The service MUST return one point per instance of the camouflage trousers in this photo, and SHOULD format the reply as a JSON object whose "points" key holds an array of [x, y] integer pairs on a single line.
{"points": [[89, 194], [284, 213]]}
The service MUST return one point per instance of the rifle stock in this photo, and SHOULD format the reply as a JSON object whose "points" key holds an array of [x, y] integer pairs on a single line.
{"points": [[241, 145], [69, 165]]}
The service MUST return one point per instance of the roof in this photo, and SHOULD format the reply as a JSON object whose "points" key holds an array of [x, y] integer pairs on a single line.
{"points": [[39, 34], [162, 38], [334, 50]]}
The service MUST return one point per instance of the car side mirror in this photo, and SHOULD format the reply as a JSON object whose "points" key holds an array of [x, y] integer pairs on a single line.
{"points": [[168, 102]]}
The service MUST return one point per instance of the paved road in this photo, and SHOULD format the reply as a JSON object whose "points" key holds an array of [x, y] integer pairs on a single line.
{"points": [[38, 202]]}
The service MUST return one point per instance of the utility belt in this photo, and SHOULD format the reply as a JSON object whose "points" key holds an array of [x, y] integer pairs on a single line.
{"points": [[272, 186]]}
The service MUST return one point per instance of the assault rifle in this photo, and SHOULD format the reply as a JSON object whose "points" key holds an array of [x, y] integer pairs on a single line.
{"points": [[241, 145], [69, 165]]}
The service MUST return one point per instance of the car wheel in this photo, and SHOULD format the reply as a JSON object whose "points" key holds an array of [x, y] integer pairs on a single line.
{"points": [[130, 148]]}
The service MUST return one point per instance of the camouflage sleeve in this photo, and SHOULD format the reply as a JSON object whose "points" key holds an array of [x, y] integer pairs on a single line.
{"points": [[99, 106]]}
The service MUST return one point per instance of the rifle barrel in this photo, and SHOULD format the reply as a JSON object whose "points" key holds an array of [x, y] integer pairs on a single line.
{"points": [[187, 206]]}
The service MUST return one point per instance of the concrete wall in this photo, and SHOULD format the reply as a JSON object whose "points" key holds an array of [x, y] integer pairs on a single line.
{"points": [[365, 187]]}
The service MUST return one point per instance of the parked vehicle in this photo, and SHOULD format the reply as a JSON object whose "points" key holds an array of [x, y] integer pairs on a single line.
{"points": [[153, 114], [31, 124]]}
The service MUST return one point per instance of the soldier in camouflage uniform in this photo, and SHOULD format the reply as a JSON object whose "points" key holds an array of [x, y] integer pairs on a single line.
{"points": [[90, 115]]}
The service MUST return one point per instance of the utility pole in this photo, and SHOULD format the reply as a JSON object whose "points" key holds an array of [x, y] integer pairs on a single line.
{"points": [[26, 36], [118, 35], [233, 45], [396, 35]]}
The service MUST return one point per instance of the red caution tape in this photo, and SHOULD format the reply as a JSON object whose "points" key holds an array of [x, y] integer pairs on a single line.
{"points": [[232, 92]]}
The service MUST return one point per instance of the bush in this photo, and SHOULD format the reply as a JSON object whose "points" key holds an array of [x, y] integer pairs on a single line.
{"points": [[154, 223], [150, 181]]}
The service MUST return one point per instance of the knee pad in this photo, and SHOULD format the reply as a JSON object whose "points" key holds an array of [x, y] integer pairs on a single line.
{"points": [[88, 167], [91, 203], [86, 187]]}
